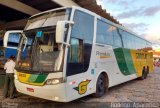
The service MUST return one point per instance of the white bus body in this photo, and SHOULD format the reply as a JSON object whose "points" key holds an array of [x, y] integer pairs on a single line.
{"points": [[84, 65]]}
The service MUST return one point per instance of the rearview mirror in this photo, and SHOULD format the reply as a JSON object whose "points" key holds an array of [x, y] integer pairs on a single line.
{"points": [[60, 30]]}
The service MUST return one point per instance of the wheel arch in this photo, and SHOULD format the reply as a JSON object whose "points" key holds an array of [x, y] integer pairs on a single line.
{"points": [[104, 72]]}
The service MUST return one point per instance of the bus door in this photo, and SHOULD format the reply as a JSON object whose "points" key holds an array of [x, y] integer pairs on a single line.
{"points": [[78, 72]]}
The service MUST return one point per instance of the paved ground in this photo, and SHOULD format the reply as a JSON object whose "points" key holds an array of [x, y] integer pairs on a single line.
{"points": [[147, 90]]}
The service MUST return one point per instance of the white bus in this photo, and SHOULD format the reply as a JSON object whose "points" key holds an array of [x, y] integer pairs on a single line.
{"points": [[73, 52]]}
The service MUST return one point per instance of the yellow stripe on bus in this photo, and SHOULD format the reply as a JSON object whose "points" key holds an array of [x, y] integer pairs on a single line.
{"points": [[24, 78], [141, 59]]}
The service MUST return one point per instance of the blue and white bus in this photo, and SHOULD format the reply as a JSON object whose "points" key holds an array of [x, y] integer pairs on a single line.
{"points": [[8, 45]]}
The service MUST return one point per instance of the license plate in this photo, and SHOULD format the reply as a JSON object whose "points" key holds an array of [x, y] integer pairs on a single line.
{"points": [[30, 89]]}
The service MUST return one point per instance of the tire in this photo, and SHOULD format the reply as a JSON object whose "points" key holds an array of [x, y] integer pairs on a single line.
{"points": [[100, 86], [144, 74]]}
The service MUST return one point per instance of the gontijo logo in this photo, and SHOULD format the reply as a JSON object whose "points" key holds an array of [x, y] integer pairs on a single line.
{"points": [[82, 87], [103, 54]]}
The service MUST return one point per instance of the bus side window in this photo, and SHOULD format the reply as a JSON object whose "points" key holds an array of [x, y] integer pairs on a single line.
{"points": [[81, 43], [75, 57], [76, 51]]}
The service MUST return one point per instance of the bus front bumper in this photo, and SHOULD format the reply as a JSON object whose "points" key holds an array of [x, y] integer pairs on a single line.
{"points": [[49, 92]]}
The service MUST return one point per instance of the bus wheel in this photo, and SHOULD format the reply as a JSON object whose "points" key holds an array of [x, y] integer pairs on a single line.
{"points": [[144, 74], [100, 86]]}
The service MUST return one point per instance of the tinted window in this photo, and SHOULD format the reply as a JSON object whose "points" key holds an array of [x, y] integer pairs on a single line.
{"points": [[129, 41], [76, 51], [140, 43], [13, 39], [83, 26], [104, 33], [117, 35], [81, 43]]}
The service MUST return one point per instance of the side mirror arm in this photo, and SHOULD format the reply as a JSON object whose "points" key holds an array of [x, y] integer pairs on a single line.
{"points": [[60, 29], [68, 45]]}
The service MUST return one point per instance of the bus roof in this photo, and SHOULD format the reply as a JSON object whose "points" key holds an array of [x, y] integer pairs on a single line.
{"points": [[91, 13], [51, 10]]}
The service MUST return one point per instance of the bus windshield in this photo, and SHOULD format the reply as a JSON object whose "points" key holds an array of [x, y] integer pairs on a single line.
{"points": [[43, 54]]}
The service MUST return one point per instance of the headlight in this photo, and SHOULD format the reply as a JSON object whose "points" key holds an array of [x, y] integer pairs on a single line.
{"points": [[54, 81], [23, 64]]}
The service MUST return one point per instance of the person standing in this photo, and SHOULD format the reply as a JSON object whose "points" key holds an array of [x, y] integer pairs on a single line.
{"points": [[9, 86]]}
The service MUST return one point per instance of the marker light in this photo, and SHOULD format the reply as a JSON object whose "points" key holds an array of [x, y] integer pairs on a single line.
{"points": [[72, 83]]}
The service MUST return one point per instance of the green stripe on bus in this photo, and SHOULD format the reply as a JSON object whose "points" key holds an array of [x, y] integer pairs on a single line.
{"points": [[129, 61], [41, 78], [32, 78], [124, 61]]}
